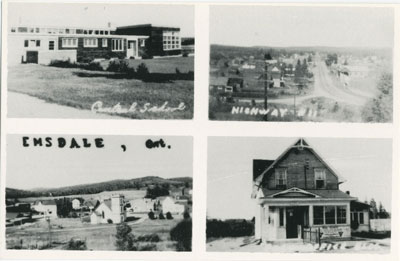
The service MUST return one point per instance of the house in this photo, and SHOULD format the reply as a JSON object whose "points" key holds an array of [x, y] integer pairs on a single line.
{"points": [[276, 77], [169, 205], [109, 211], [235, 83], [90, 204], [38, 44], [299, 192], [76, 204], [47, 207], [161, 41], [143, 205], [359, 213]]}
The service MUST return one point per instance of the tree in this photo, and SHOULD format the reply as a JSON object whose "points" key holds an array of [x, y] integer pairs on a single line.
{"points": [[182, 233], [380, 108], [125, 239], [373, 209]]}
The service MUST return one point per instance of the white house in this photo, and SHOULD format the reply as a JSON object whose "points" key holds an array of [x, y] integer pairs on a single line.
{"points": [[142, 205], [46, 207], [109, 211], [76, 204], [169, 205]]}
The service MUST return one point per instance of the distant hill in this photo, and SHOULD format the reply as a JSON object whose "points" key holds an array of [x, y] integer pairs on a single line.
{"points": [[93, 188]]}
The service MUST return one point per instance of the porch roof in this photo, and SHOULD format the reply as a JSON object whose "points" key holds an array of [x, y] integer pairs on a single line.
{"points": [[321, 193]]}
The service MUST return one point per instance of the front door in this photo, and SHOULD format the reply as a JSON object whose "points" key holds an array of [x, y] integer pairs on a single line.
{"points": [[295, 217], [131, 52], [32, 56]]}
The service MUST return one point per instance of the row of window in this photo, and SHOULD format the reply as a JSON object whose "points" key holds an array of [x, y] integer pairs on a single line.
{"points": [[116, 44], [58, 31], [329, 215], [358, 217], [281, 178]]}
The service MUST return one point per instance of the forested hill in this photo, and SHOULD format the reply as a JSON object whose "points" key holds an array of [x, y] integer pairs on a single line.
{"points": [[93, 188]]}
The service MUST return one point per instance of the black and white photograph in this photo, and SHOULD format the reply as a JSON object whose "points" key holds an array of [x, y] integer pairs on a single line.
{"points": [[301, 63], [100, 60], [299, 195], [114, 193]]}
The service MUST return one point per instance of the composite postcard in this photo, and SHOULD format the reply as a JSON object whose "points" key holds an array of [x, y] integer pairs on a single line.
{"points": [[199, 131]]}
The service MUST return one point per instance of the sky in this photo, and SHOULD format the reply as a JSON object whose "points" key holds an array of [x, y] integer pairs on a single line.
{"points": [[99, 15], [365, 164], [301, 26], [43, 167]]}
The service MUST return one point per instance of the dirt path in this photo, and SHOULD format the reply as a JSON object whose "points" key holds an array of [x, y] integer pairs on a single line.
{"points": [[25, 106]]}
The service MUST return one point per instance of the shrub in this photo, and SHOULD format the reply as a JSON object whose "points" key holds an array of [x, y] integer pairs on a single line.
{"points": [[229, 228], [92, 66], [142, 71], [76, 244], [121, 67], [63, 64], [186, 215], [125, 238], [149, 238], [148, 247], [151, 215], [182, 233], [109, 221], [169, 215], [161, 216]]}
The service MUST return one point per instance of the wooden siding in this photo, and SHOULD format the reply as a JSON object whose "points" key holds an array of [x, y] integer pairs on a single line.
{"points": [[295, 161], [87, 54]]}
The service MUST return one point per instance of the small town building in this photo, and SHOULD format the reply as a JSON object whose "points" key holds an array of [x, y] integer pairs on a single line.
{"points": [[47, 208], [90, 204], [298, 193], [235, 83], [359, 216], [111, 210], [161, 41], [38, 44], [169, 205], [76, 204], [143, 205]]}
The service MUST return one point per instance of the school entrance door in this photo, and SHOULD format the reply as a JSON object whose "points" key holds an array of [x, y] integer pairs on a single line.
{"points": [[132, 50], [32, 56]]}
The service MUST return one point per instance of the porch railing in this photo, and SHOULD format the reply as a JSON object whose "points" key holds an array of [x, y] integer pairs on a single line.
{"points": [[312, 235]]}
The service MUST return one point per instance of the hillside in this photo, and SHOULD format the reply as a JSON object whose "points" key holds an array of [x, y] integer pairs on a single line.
{"points": [[93, 188]]}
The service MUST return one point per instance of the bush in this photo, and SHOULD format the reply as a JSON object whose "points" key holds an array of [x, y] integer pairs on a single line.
{"points": [[151, 215], [149, 238], [142, 71], [169, 215], [186, 215], [121, 67], [125, 238], [182, 233], [229, 228], [109, 221], [76, 244], [92, 66], [161, 216], [63, 64]]}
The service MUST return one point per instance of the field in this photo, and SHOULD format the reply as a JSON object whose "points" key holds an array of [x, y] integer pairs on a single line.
{"points": [[97, 237], [80, 88]]}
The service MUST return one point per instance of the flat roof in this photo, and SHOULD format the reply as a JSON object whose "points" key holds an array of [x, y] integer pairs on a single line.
{"points": [[148, 25]]}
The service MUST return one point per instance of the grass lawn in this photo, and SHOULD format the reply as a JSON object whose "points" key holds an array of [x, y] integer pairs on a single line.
{"points": [[62, 86], [166, 65], [97, 237]]}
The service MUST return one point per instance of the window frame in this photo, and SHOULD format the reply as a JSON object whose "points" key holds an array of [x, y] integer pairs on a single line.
{"points": [[278, 178], [318, 178], [65, 42], [52, 47], [87, 43], [104, 40], [119, 43], [341, 214]]}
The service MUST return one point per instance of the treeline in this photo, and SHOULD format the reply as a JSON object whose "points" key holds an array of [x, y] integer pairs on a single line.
{"points": [[229, 228], [139, 183]]}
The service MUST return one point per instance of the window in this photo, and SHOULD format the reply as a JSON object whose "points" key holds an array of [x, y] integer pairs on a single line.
{"points": [[37, 43], [69, 42], [51, 45], [104, 43], [117, 45], [361, 218], [67, 31], [102, 214], [90, 42], [280, 176], [320, 177], [26, 43], [281, 217], [341, 214], [37, 30], [318, 215], [142, 42], [13, 30], [329, 214], [22, 30], [79, 31]]}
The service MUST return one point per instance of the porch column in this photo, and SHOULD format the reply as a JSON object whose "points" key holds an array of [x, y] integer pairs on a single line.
{"points": [[258, 221], [265, 224], [310, 215], [348, 214]]}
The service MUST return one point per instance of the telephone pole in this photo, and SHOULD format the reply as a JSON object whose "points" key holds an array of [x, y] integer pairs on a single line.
{"points": [[266, 85]]}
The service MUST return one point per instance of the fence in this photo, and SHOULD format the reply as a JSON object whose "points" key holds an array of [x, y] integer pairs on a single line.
{"points": [[380, 225], [312, 236]]}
